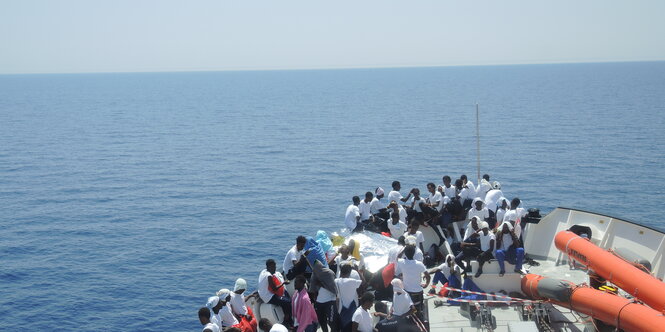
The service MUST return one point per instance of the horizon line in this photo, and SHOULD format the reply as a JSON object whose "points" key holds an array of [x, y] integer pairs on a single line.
{"points": [[331, 67]]}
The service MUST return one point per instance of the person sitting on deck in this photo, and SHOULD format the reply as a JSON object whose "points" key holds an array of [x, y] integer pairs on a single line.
{"points": [[226, 316], [480, 211], [352, 217], [267, 326], [204, 318], [465, 194], [469, 185], [239, 306], [347, 296], [403, 308], [507, 248], [345, 257], [271, 289], [514, 216], [480, 250], [447, 190], [395, 207], [502, 207], [396, 226], [435, 204], [361, 319], [366, 218], [412, 272], [396, 196], [304, 315], [447, 273], [417, 204], [376, 207], [294, 262]]}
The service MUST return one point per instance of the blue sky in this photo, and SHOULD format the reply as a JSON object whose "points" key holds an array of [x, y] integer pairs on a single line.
{"points": [[39, 36]]}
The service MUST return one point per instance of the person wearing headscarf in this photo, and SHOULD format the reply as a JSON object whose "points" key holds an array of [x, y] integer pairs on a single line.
{"points": [[313, 251], [478, 210], [402, 303], [378, 208], [239, 306], [492, 196], [225, 314], [514, 215], [304, 315], [507, 248], [326, 244], [447, 273], [213, 307], [403, 309]]}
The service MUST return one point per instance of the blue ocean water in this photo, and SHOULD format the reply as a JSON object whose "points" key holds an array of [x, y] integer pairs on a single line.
{"points": [[128, 199]]}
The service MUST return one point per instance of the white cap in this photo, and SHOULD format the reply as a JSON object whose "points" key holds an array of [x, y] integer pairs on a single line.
{"points": [[378, 191], [484, 224]]}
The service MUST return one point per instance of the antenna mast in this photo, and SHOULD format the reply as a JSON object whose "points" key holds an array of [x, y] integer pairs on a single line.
{"points": [[478, 142]]}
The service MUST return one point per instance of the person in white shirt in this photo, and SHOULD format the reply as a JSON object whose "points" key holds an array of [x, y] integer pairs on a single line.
{"points": [[435, 203], [514, 216], [377, 208], [204, 318], [483, 187], [271, 289], [395, 195], [367, 219], [395, 207], [503, 207], [479, 210], [447, 189], [347, 295], [508, 248], [345, 257], [402, 303], [294, 262], [213, 306], [267, 326], [410, 240], [226, 316], [352, 217], [479, 246], [417, 202], [448, 272], [362, 320], [492, 196], [465, 194], [413, 230], [469, 185], [238, 299], [412, 272], [396, 226]]}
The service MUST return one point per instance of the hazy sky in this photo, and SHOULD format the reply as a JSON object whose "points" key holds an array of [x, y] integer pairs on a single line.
{"points": [[44, 36]]}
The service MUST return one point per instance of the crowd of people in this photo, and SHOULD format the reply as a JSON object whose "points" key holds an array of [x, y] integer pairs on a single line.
{"points": [[334, 291]]}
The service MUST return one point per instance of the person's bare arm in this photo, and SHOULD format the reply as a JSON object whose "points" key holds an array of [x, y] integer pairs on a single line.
{"points": [[354, 327]]}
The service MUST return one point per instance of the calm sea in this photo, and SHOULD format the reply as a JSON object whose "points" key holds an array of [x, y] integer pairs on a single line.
{"points": [[128, 199]]}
